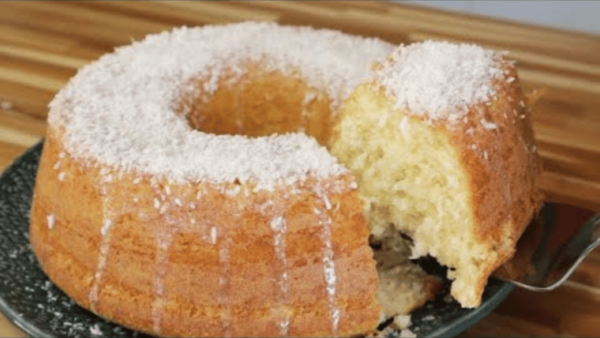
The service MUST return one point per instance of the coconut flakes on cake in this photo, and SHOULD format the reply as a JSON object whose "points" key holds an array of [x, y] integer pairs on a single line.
{"points": [[438, 80], [121, 110]]}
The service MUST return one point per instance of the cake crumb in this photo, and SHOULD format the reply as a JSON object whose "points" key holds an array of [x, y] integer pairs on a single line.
{"points": [[428, 318], [402, 321], [95, 330]]}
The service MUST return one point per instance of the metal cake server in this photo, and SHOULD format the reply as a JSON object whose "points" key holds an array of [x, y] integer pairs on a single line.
{"points": [[552, 247]]}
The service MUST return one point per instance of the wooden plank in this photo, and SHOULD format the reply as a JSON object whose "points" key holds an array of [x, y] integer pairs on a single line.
{"points": [[8, 329], [159, 11], [66, 19], [29, 100], [42, 57], [498, 325]]}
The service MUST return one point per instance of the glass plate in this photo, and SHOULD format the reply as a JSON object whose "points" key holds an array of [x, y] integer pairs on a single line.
{"points": [[39, 308]]}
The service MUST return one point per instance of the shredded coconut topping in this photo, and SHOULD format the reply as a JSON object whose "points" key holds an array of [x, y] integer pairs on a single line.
{"points": [[122, 110], [439, 79]]}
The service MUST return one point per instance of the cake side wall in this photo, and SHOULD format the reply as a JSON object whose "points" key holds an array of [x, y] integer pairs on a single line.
{"points": [[498, 153], [147, 241]]}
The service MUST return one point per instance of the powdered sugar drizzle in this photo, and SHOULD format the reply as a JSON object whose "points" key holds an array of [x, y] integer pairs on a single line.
{"points": [[101, 265], [213, 235], [225, 285], [104, 104], [329, 272], [279, 227], [439, 79], [162, 260]]}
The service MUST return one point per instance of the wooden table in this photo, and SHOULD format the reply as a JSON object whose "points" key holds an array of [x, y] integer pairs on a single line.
{"points": [[42, 44]]}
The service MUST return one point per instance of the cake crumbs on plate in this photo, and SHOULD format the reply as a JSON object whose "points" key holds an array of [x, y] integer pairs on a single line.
{"points": [[95, 330]]}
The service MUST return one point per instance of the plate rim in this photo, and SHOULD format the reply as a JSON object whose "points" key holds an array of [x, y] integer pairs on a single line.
{"points": [[23, 324], [471, 318], [7, 310]]}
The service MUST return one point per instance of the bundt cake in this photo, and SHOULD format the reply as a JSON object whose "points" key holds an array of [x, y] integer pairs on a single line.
{"points": [[187, 188], [179, 192], [441, 144]]}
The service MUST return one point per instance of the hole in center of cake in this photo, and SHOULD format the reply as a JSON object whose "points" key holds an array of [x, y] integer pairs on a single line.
{"points": [[257, 102]]}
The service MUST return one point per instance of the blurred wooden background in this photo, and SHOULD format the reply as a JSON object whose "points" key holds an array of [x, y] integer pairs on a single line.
{"points": [[42, 44]]}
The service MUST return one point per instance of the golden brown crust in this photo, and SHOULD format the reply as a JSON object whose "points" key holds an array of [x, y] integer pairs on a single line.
{"points": [[127, 293], [503, 169]]}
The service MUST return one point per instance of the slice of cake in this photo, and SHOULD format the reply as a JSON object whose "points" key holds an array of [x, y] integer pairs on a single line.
{"points": [[441, 143]]}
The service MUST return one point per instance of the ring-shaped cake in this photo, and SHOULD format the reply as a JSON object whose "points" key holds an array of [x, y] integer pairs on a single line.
{"points": [[186, 187]]}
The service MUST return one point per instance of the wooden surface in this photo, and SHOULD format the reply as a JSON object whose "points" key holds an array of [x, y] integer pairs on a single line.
{"points": [[42, 44]]}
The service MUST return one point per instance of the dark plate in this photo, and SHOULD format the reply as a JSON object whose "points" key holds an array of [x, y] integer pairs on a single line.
{"points": [[38, 307]]}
